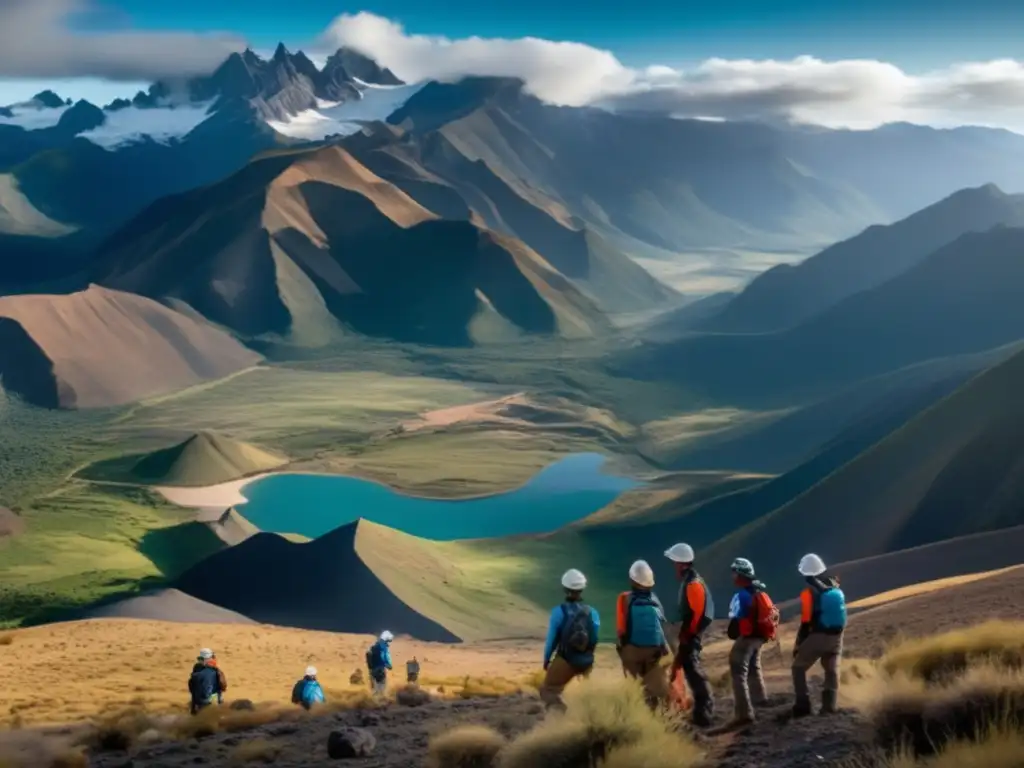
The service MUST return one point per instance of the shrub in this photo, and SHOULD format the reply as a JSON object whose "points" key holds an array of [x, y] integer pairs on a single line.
{"points": [[412, 696], [6, 639], [941, 656], [357, 678], [117, 732], [920, 720], [1001, 747], [605, 721], [467, 746], [260, 750]]}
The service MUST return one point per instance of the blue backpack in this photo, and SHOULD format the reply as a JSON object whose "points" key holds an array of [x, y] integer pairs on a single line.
{"points": [[578, 635], [312, 693], [831, 608]]}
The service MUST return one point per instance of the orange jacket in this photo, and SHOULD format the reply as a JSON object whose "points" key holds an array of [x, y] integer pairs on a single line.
{"points": [[694, 608]]}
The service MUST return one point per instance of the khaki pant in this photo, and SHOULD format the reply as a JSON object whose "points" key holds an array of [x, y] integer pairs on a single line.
{"points": [[644, 664], [828, 649], [747, 677], [560, 673]]}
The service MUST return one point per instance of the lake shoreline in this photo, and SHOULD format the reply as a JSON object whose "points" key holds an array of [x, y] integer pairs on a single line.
{"points": [[222, 496]]}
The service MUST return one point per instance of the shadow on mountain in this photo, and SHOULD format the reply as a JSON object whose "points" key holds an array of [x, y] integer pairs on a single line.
{"points": [[25, 370], [321, 585]]}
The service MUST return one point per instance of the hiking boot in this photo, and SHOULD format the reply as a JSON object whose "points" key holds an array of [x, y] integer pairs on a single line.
{"points": [[802, 708], [829, 702]]}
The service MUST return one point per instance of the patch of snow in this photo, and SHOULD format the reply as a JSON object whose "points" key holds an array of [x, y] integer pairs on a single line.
{"points": [[33, 118], [378, 102], [160, 124]]}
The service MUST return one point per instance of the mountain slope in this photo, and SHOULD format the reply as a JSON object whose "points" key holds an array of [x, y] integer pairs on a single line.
{"points": [[961, 299], [631, 177], [204, 459], [956, 469], [100, 348], [437, 175], [323, 584], [786, 295], [307, 244]]}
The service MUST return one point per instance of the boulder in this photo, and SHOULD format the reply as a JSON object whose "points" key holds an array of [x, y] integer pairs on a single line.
{"points": [[242, 705], [349, 743], [412, 696]]}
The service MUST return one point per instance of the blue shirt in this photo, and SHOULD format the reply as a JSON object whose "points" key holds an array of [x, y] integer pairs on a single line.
{"points": [[739, 606], [555, 629]]}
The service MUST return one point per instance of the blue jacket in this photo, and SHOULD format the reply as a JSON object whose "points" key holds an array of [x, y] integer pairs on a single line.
{"points": [[204, 684], [645, 623], [558, 614], [300, 688], [381, 655]]}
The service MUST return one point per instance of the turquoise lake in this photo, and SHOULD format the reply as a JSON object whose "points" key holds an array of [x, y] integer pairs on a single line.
{"points": [[312, 505]]}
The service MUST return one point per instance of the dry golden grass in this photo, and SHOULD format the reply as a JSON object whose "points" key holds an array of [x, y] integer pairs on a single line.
{"points": [[998, 748], [933, 658], [467, 746], [920, 719], [102, 668], [257, 750], [605, 720]]}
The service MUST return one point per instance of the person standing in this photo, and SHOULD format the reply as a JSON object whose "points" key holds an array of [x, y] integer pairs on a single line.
{"points": [[207, 683], [696, 612], [640, 622], [753, 621], [571, 640], [820, 637], [412, 671], [378, 661]]}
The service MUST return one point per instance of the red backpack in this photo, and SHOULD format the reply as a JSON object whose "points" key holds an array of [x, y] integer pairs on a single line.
{"points": [[765, 616]]}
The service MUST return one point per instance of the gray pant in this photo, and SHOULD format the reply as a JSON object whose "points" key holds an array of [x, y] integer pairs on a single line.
{"points": [[828, 649], [747, 678]]}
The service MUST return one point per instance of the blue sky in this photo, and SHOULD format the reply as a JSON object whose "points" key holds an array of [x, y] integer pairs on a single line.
{"points": [[915, 34]]}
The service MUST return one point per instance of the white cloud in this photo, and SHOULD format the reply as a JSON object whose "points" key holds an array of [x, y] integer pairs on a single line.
{"points": [[36, 42], [560, 72], [849, 93]]}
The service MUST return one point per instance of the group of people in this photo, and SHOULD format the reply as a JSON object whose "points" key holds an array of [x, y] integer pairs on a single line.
{"points": [[208, 683], [644, 640], [644, 637]]}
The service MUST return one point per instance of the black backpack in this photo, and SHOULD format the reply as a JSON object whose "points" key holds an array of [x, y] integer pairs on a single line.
{"points": [[577, 630], [200, 685]]}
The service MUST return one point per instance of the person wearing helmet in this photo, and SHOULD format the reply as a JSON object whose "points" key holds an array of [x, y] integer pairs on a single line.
{"points": [[820, 637], [747, 628], [308, 691], [412, 671], [640, 628], [207, 683], [571, 640], [378, 662], [696, 612]]}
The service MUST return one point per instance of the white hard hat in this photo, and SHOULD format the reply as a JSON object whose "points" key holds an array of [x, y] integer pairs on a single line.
{"points": [[743, 567], [640, 573], [386, 636], [310, 671], [811, 565], [574, 580], [680, 553], [205, 653]]}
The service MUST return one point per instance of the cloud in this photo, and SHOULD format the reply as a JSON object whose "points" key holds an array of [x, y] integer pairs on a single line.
{"points": [[564, 73], [37, 41], [849, 93]]}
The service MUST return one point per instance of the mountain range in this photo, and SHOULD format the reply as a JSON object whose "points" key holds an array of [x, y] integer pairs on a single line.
{"points": [[651, 187]]}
